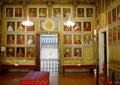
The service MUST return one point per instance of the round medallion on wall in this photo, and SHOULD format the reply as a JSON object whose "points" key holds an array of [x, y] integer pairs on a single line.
{"points": [[49, 25], [103, 20]]}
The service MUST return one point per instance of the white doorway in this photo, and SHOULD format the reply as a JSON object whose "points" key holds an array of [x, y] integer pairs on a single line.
{"points": [[103, 50], [49, 53]]}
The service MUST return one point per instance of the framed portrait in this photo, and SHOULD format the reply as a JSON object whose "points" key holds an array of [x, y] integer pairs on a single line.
{"points": [[20, 52], [67, 39], [87, 39], [89, 12], [10, 52], [109, 17], [33, 12], [87, 26], [42, 12], [107, 4], [18, 12], [30, 52], [10, 26], [110, 34], [77, 27], [114, 34], [118, 34], [80, 12], [67, 52], [77, 53], [9, 12], [10, 39], [67, 12], [20, 39], [77, 39], [57, 12], [31, 28], [118, 12], [30, 39], [20, 27], [67, 28], [114, 15]]}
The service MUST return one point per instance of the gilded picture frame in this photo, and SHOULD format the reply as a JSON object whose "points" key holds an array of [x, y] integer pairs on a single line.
{"points": [[78, 26], [118, 32], [118, 12], [87, 40], [10, 39], [67, 12], [18, 12], [30, 39], [80, 12], [89, 12], [87, 26], [67, 38], [20, 39], [33, 12], [10, 26], [30, 52], [77, 38], [67, 53], [10, 52], [114, 14], [20, 52], [57, 12], [110, 36], [9, 12], [78, 54], [43, 12]]}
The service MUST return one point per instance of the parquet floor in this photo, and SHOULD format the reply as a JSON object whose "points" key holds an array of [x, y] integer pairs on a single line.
{"points": [[10, 78]]}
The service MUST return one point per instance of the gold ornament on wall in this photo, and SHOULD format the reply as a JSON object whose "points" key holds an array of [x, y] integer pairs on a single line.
{"points": [[48, 25], [103, 20]]}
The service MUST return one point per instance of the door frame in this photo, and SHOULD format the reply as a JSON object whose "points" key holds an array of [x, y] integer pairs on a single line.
{"points": [[102, 50], [38, 50]]}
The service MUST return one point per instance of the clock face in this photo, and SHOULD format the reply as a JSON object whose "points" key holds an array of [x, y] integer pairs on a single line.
{"points": [[49, 25], [103, 20]]}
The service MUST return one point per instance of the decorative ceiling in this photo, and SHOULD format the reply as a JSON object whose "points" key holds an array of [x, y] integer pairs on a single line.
{"points": [[56, 2]]}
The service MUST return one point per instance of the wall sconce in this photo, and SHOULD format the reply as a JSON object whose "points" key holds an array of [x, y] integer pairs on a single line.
{"points": [[95, 33]]}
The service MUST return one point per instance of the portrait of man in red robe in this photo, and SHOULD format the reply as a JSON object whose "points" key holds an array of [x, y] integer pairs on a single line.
{"points": [[20, 52], [10, 52], [10, 39], [30, 53], [20, 39], [87, 26], [77, 52]]}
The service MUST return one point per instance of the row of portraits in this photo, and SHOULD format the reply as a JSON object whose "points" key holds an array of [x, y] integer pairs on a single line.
{"points": [[114, 15], [114, 34], [20, 52], [56, 12], [20, 39], [75, 53], [79, 26], [106, 4], [13, 26], [68, 39], [77, 39]]}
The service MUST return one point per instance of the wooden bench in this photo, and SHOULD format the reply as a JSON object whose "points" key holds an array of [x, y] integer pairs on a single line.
{"points": [[91, 67], [35, 78]]}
